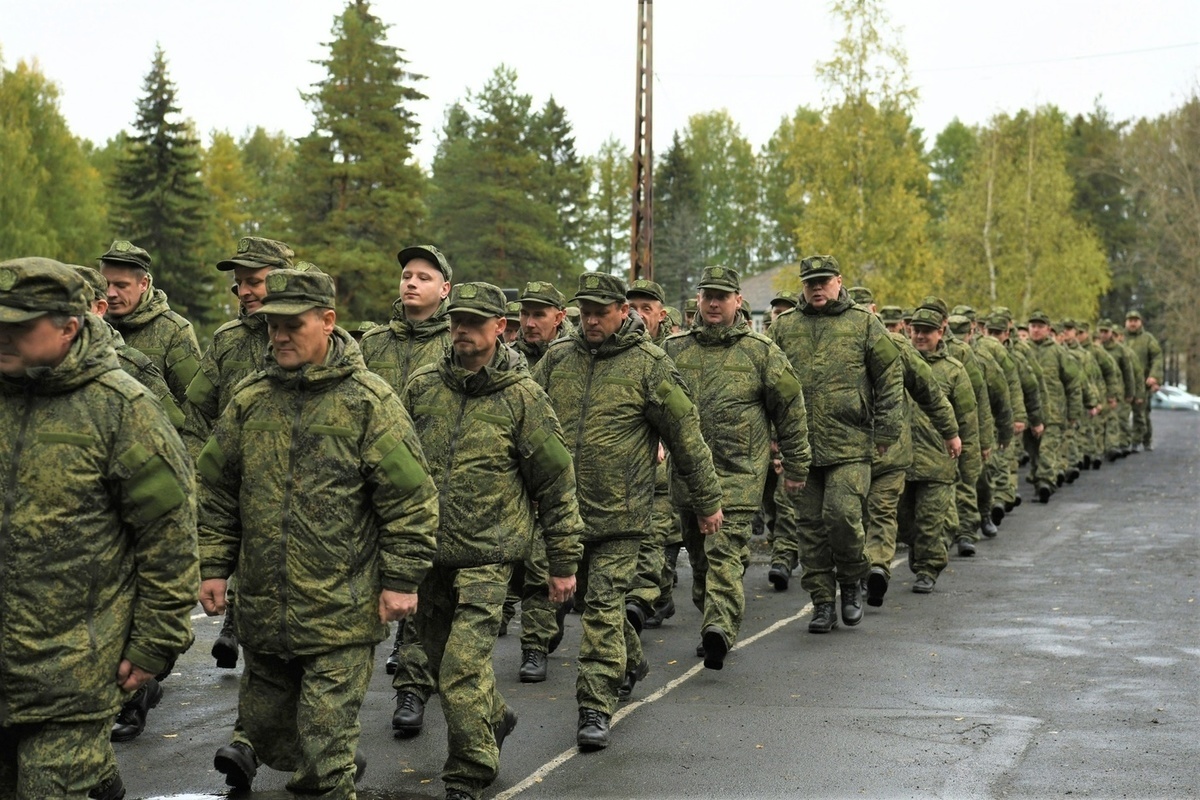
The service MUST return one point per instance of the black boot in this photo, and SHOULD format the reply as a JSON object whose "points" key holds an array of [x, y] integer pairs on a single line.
{"points": [[410, 715], [533, 666], [779, 575], [131, 721], [593, 730], [225, 648], [632, 676], [238, 763], [560, 616], [824, 618], [877, 586], [852, 612], [111, 789], [662, 613]]}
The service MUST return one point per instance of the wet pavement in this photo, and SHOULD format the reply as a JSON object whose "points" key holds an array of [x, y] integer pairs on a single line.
{"points": [[1063, 660]]}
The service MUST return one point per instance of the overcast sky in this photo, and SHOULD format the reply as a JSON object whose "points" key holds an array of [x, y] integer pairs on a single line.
{"points": [[241, 64]]}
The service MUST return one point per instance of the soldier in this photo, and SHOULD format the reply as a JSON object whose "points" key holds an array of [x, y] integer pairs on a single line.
{"points": [[144, 318], [355, 484], [493, 476], [1112, 389], [863, 296], [927, 517], [1120, 438], [512, 315], [647, 299], [617, 395], [744, 387], [996, 485], [674, 319], [418, 334], [1062, 407], [689, 313], [101, 605], [1149, 355], [998, 327], [784, 301], [543, 319], [888, 470], [856, 391]]}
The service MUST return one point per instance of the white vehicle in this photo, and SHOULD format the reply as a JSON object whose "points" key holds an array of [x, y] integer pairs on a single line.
{"points": [[1174, 398]]}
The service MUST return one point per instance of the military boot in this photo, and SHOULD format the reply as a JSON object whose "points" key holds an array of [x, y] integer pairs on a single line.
{"points": [[238, 763], [131, 721], [877, 586], [852, 612], [506, 725], [225, 648], [824, 618], [410, 715], [560, 616], [663, 611], [593, 730], [632, 676], [111, 789], [716, 645], [779, 575], [533, 666]]}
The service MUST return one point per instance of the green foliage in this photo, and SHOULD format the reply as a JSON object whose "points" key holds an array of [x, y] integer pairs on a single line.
{"points": [[357, 193], [868, 64], [678, 235], [954, 147], [567, 179], [268, 160], [162, 203], [51, 197], [781, 214], [609, 206]]}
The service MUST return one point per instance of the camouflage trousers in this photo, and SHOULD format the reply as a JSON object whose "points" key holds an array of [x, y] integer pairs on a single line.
{"points": [[1046, 456], [301, 715], [829, 522], [457, 618], [883, 500], [785, 542], [1142, 432], [651, 562], [1124, 425], [413, 673], [997, 473], [531, 580], [718, 563], [53, 759], [605, 574], [927, 516], [966, 499], [1007, 493]]}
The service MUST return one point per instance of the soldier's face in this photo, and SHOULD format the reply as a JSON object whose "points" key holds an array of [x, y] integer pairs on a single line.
{"points": [[474, 337], [895, 327], [35, 343], [1022, 334], [600, 321], [539, 322], [1133, 325], [512, 329], [819, 291], [779, 308], [422, 288], [651, 311], [717, 307], [251, 286], [1038, 331], [125, 288], [301, 339], [1106, 335], [926, 339]]}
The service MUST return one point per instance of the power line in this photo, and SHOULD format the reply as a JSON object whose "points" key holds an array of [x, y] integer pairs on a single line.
{"points": [[1114, 54]]}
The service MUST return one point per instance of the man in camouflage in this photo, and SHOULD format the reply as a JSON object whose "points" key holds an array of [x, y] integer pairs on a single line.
{"points": [[745, 389], [1120, 435], [144, 318], [1150, 358], [418, 334], [617, 396], [499, 451], [1062, 407], [996, 484], [85, 442], [1111, 384], [852, 369], [778, 515], [355, 484], [999, 328]]}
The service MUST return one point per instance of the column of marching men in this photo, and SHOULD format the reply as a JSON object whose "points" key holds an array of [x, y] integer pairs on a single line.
{"points": [[472, 456]]}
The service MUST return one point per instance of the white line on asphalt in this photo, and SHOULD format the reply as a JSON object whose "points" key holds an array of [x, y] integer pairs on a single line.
{"points": [[538, 775]]}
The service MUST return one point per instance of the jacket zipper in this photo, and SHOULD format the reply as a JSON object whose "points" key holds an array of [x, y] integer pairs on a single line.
{"points": [[286, 515]]}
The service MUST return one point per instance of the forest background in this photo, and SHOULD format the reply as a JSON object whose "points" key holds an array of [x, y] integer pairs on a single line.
{"points": [[1079, 215]]}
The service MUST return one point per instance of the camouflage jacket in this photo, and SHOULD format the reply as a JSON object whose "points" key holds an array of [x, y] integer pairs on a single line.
{"points": [[998, 396], [1091, 381], [237, 350], [533, 351], [166, 337], [98, 538], [962, 351], [1062, 378], [922, 388], [1113, 383], [1030, 372], [853, 376], [497, 450], [1012, 377], [1149, 355], [616, 401], [1124, 359], [746, 392], [140, 366], [931, 462], [313, 487], [396, 350]]}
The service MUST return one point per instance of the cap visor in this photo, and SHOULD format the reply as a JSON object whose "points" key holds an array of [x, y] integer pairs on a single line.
{"points": [[229, 263], [820, 273], [538, 301], [287, 309], [479, 312], [11, 314], [595, 298]]}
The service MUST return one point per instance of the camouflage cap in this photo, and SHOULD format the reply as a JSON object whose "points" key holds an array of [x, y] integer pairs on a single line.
{"points": [[861, 295], [512, 311], [645, 288], [97, 284], [1069, 324], [430, 254], [959, 324], [891, 314], [1039, 316], [723, 279], [256, 252], [925, 317], [791, 298], [936, 304], [1133, 313], [692, 305], [1022, 326], [573, 313], [292, 291], [600, 287], [675, 316], [543, 292], [997, 322], [1081, 325], [815, 267], [126, 254], [363, 327], [480, 299], [1002, 311], [745, 310], [33, 287], [306, 266], [907, 314], [963, 311], [1105, 325]]}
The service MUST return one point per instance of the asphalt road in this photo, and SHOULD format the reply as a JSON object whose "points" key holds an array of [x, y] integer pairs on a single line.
{"points": [[1063, 660]]}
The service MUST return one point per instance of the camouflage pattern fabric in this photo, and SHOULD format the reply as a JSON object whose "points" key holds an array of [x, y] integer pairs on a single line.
{"points": [[53, 759], [785, 543], [829, 512], [237, 350], [883, 502], [927, 514], [139, 365], [718, 563], [300, 714], [1149, 356], [322, 456], [99, 493], [396, 350], [166, 337], [1062, 378], [604, 577]]}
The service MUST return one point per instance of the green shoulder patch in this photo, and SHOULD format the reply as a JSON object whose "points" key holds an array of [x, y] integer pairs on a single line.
{"points": [[399, 464], [152, 487], [885, 350], [547, 451], [674, 399]]}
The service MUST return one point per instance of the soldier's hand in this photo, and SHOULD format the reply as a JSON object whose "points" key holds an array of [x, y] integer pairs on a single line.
{"points": [[881, 449], [1037, 430], [777, 466], [131, 678], [212, 596], [661, 455], [561, 589], [1018, 428], [792, 487], [986, 453], [954, 446], [396, 605], [1152, 384], [711, 524]]}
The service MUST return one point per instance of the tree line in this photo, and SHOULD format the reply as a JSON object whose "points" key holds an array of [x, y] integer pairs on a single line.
{"points": [[1080, 215]]}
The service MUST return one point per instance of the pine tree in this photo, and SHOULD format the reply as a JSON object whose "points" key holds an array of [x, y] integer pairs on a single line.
{"points": [[357, 195], [609, 208], [162, 203], [567, 179], [268, 160], [678, 235]]}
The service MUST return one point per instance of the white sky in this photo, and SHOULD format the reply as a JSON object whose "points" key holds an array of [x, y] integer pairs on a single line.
{"points": [[242, 64]]}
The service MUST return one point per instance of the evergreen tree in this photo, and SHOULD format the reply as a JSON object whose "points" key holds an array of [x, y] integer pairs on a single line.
{"points": [[356, 197], [162, 203], [567, 180], [609, 208], [781, 214], [678, 239], [268, 160]]}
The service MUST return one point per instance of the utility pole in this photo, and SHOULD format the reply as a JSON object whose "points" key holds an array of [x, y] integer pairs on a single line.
{"points": [[641, 264]]}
